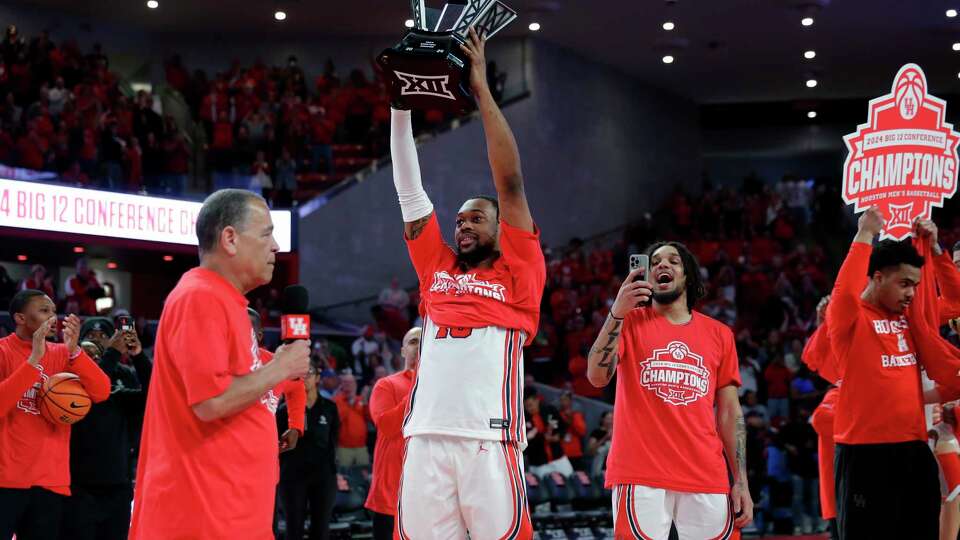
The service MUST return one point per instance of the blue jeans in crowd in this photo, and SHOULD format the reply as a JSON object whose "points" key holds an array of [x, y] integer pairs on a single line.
{"points": [[778, 407]]}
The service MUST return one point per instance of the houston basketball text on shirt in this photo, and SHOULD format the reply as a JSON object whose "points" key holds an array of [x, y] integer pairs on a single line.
{"points": [[460, 284], [883, 326]]}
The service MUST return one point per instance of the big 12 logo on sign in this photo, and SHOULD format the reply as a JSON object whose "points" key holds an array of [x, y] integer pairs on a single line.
{"points": [[904, 159]]}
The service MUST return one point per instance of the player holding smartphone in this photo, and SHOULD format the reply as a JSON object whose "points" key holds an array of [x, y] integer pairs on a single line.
{"points": [[678, 364]]}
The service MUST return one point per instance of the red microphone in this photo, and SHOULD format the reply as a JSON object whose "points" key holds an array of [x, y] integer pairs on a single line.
{"points": [[295, 318]]}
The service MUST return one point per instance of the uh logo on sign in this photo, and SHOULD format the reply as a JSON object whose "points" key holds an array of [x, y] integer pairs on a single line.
{"points": [[904, 159]]}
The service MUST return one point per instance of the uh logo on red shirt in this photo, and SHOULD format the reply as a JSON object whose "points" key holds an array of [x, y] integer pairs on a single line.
{"points": [[28, 403], [675, 374]]}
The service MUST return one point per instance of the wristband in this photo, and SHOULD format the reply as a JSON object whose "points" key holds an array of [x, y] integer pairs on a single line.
{"points": [[76, 354]]}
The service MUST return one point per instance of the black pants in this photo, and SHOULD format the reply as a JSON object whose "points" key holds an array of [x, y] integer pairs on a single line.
{"points": [[887, 491], [98, 512], [31, 514], [320, 491], [382, 526]]}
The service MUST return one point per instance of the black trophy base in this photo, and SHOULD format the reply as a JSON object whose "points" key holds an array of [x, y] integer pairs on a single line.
{"points": [[428, 71]]}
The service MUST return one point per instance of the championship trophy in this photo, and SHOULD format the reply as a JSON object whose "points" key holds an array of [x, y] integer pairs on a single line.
{"points": [[427, 69]]}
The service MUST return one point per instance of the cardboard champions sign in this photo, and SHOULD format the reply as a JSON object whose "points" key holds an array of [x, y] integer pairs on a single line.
{"points": [[904, 159], [48, 207]]}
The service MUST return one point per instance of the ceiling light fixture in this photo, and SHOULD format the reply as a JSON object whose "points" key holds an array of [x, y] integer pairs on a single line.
{"points": [[78, 249], [22, 258], [112, 265], [534, 27], [668, 26], [668, 59], [811, 83], [807, 21], [280, 15], [812, 114], [951, 13], [167, 258], [810, 55], [408, 23], [956, 46], [153, 4]]}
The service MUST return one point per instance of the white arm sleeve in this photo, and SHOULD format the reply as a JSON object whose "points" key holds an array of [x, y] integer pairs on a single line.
{"points": [[414, 203]]}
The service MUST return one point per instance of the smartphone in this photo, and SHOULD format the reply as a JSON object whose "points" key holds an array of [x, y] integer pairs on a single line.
{"points": [[640, 260], [125, 323]]}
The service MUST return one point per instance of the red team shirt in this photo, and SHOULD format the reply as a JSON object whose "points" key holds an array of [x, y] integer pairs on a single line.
{"points": [[874, 349], [199, 479], [475, 323], [33, 451], [388, 403], [665, 427]]}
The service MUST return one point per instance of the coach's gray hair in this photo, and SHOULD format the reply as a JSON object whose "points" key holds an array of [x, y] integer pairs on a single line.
{"points": [[222, 209]]}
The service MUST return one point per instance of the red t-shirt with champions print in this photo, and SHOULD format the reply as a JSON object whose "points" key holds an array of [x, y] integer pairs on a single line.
{"points": [[199, 479], [475, 323], [664, 423]]}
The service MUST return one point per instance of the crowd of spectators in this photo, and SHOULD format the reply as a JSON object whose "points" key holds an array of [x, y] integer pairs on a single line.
{"points": [[271, 128], [66, 111]]}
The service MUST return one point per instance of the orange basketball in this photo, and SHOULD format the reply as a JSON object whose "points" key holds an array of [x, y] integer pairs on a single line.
{"points": [[64, 400]]}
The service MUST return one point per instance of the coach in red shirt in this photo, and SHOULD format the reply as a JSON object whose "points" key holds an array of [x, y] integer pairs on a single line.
{"points": [[388, 404], [208, 461], [35, 453]]}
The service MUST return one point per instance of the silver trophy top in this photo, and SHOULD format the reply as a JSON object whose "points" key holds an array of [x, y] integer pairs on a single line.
{"points": [[457, 16]]}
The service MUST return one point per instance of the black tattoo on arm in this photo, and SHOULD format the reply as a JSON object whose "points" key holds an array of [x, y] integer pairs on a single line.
{"points": [[741, 457], [610, 358], [415, 228]]}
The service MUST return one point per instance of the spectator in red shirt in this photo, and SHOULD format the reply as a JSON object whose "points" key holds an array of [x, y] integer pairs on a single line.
{"points": [[578, 371], [353, 411], [576, 430], [134, 162], [388, 404], [177, 75], [177, 163], [40, 281], [31, 148], [778, 377], [222, 141], [83, 288]]}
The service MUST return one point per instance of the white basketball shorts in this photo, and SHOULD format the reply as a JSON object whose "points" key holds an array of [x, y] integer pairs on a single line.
{"points": [[646, 513], [452, 485]]}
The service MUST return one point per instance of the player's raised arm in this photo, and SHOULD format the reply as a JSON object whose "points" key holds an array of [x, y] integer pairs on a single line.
{"points": [[501, 145], [414, 203]]}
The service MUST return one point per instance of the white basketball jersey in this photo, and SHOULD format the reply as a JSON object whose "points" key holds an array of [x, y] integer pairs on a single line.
{"points": [[469, 384]]}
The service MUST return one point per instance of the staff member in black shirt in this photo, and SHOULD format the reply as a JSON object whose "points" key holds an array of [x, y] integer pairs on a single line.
{"points": [[101, 446], [309, 471]]}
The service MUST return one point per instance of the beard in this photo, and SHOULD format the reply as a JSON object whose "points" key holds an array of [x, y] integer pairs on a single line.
{"points": [[474, 257], [669, 297]]}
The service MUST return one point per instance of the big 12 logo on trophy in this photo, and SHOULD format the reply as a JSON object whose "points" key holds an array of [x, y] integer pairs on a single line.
{"points": [[904, 159]]}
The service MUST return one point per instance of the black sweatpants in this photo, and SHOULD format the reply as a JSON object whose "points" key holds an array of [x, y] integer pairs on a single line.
{"points": [[320, 491], [382, 526], [887, 491], [98, 512], [31, 514]]}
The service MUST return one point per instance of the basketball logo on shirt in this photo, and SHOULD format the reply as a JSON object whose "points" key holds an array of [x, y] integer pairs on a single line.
{"points": [[28, 403], [676, 374], [461, 284], [268, 399]]}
